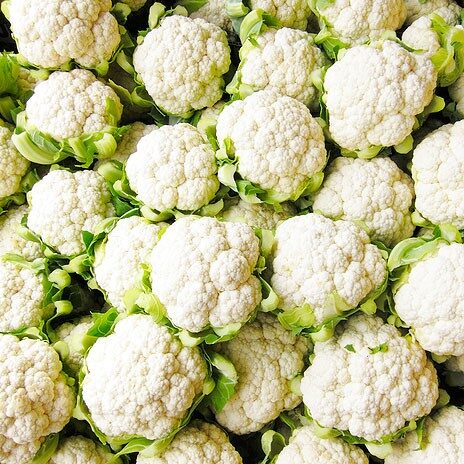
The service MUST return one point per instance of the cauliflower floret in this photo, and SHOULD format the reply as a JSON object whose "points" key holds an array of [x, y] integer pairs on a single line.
{"points": [[14, 453], [418, 8], [369, 380], [141, 380], [306, 448], [198, 443], [456, 92], [267, 358], [173, 167], [277, 142], [373, 94], [290, 13], [442, 441], [431, 300], [375, 192], [214, 11], [315, 258], [51, 33], [71, 104], [118, 261], [202, 273], [63, 204], [438, 170], [182, 62]]}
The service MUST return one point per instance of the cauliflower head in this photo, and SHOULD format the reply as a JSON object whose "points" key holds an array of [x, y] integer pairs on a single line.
{"points": [[373, 94], [417, 8], [182, 63], [369, 380], [315, 259], [197, 443], [374, 192], [202, 272], [14, 453], [278, 144], [267, 359], [214, 11], [63, 204], [290, 13], [173, 167], [51, 33], [141, 380]]}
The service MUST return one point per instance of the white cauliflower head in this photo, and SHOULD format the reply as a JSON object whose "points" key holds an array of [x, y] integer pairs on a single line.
{"points": [[202, 272], [290, 13], [278, 144], [182, 63], [375, 192], [214, 11], [63, 204], [438, 170], [71, 104], [373, 94], [369, 380], [418, 8], [15, 453], [200, 443], [315, 259], [267, 359], [173, 167]]}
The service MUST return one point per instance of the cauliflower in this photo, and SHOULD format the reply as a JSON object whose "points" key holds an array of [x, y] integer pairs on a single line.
{"points": [[141, 380], [36, 400], [442, 441], [118, 261], [134, 5], [173, 167], [202, 273], [278, 145], [369, 380], [267, 359], [306, 448], [198, 443], [317, 261], [375, 192], [182, 63], [52, 33], [373, 94], [214, 11], [431, 300], [417, 8], [64, 204], [437, 170]]}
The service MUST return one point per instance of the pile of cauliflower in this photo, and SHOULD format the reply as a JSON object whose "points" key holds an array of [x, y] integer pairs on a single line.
{"points": [[232, 232]]}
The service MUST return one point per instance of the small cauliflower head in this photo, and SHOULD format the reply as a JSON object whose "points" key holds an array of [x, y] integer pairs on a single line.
{"points": [[118, 261], [306, 448], [442, 440], [431, 300], [141, 380], [438, 170], [268, 360], [278, 144], [198, 443], [72, 104], [290, 13], [64, 204], [51, 33], [376, 193], [374, 93], [417, 8], [316, 259], [173, 167], [182, 63], [202, 272], [456, 92], [214, 11], [369, 380]]}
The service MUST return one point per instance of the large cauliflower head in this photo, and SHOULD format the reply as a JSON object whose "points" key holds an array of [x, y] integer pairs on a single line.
{"points": [[173, 167], [71, 104], [141, 380], [202, 272], [373, 94], [51, 33], [438, 170], [64, 204], [200, 443], [315, 259], [431, 300], [290, 13], [375, 192], [267, 359], [369, 380], [182, 63], [214, 11], [418, 8], [278, 144]]}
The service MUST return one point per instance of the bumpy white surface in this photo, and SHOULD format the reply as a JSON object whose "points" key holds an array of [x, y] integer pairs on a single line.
{"points": [[290, 13], [81, 450], [14, 453], [214, 11], [418, 8]]}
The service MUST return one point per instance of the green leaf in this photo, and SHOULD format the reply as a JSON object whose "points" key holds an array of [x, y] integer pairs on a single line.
{"points": [[350, 348], [192, 5], [382, 348], [236, 9], [256, 22], [298, 318], [47, 450], [272, 444]]}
